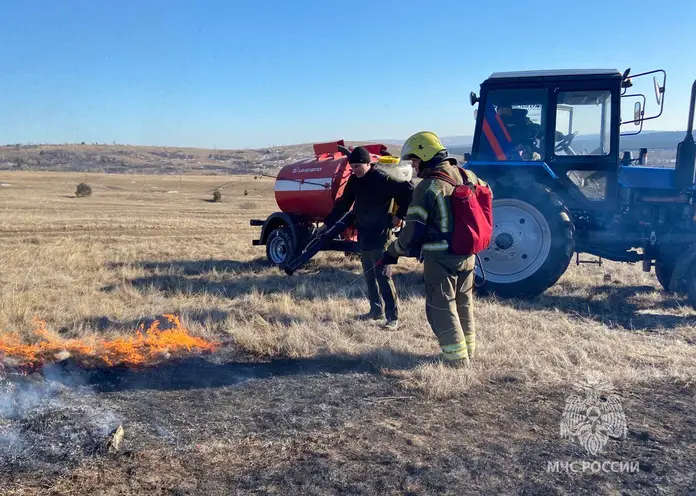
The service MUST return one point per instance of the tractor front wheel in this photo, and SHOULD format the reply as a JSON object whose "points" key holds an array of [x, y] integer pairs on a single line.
{"points": [[532, 243]]}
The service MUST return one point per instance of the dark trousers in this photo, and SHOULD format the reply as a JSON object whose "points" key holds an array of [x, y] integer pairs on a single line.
{"points": [[380, 285]]}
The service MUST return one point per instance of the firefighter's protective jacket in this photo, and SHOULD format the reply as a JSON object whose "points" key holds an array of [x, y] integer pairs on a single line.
{"points": [[373, 195], [429, 216]]}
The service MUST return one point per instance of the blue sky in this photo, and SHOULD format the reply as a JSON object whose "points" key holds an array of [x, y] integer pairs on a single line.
{"points": [[247, 74]]}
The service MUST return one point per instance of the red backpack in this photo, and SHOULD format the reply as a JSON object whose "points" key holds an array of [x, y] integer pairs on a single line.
{"points": [[472, 207]]}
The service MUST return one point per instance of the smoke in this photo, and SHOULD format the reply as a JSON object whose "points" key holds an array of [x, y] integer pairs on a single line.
{"points": [[167, 435], [50, 421], [10, 443]]}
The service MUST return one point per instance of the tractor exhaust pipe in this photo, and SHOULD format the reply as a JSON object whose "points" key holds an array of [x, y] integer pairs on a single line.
{"points": [[686, 150]]}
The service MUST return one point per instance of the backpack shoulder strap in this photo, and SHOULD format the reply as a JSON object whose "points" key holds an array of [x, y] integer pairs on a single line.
{"points": [[468, 177], [444, 177]]}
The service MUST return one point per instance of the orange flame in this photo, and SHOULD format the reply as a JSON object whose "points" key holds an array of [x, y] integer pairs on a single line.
{"points": [[148, 346]]}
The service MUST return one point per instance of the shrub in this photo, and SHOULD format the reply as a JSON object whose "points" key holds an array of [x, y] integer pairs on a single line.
{"points": [[217, 195], [246, 193], [83, 189]]}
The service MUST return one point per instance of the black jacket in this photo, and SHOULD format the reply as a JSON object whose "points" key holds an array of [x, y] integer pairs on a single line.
{"points": [[372, 195]]}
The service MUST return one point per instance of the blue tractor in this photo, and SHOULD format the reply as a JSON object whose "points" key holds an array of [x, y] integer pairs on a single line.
{"points": [[548, 143]]}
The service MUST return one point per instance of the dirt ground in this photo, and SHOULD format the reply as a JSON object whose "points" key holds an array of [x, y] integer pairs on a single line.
{"points": [[300, 398]]}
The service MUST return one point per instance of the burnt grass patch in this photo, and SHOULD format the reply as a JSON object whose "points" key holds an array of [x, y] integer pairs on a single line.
{"points": [[202, 373], [336, 430], [49, 426]]}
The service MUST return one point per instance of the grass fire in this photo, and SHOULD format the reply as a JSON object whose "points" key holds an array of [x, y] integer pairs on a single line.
{"points": [[146, 347]]}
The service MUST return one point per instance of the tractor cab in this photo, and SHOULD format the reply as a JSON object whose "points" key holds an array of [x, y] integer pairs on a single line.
{"points": [[561, 127], [548, 143]]}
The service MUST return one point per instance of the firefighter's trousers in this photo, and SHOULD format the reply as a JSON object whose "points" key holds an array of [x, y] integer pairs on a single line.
{"points": [[449, 299]]}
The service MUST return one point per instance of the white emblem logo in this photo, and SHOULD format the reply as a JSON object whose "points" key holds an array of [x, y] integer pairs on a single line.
{"points": [[594, 419], [297, 170]]}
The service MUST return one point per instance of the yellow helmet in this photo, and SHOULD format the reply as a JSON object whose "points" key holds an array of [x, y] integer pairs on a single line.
{"points": [[424, 145]]}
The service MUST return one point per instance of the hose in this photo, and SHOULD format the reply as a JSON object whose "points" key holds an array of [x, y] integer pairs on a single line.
{"points": [[483, 272]]}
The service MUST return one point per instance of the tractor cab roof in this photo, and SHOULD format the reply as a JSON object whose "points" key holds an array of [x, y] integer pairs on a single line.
{"points": [[552, 75]]}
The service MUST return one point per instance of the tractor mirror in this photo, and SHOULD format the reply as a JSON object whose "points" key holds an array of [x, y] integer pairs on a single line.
{"points": [[473, 98], [658, 91], [637, 114]]}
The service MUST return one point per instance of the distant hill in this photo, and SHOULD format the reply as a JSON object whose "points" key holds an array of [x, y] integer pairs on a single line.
{"points": [[459, 150], [126, 159], [449, 141], [457, 145], [662, 146], [652, 140]]}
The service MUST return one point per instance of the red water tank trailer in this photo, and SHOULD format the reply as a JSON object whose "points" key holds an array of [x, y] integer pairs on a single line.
{"points": [[310, 187], [305, 192]]}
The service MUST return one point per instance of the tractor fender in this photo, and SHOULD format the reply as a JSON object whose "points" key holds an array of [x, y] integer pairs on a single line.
{"points": [[681, 269], [298, 225]]}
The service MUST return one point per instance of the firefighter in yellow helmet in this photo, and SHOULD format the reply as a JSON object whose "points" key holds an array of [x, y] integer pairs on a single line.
{"points": [[449, 278]]}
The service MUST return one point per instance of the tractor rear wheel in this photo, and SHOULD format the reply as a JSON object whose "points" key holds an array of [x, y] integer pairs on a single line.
{"points": [[663, 272], [691, 284], [280, 247], [532, 244]]}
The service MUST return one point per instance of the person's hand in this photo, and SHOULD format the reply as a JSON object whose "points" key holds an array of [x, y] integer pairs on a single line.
{"points": [[397, 222]]}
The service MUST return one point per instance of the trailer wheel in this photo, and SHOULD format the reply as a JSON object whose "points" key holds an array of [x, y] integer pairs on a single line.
{"points": [[532, 244], [280, 248]]}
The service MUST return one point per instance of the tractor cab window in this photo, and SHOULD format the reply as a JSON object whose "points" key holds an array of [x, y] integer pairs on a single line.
{"points": [[583, 123], [513, 125]]}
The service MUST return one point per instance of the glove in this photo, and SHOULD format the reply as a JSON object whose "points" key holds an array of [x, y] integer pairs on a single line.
{"points": [[386, 259]]}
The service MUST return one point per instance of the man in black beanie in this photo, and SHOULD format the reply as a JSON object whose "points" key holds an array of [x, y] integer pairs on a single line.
{"points": [[374, 192]]}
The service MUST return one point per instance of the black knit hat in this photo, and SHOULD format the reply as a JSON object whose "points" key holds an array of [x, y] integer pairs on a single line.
{"points": [[359, 155]]}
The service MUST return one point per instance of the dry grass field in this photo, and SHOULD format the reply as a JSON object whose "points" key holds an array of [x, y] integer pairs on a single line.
{"points": [[299, 398]]}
